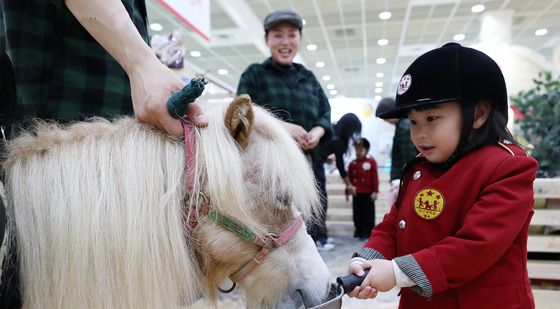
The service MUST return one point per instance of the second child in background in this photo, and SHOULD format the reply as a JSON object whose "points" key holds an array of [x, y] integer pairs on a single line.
{"points": [[362, 173]]}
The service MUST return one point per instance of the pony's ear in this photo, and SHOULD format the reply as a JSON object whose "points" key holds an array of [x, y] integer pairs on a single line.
{"points": [[239, 119]]}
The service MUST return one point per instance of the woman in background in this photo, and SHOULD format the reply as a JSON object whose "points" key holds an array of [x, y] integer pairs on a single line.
{"points": [[346, 131]]}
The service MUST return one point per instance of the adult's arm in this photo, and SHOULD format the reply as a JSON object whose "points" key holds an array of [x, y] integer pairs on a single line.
{"points": [[341, 168], [152, 83]]}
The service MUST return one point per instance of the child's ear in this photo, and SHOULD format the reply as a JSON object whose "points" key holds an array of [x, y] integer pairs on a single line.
{"points": [[481, 113]]}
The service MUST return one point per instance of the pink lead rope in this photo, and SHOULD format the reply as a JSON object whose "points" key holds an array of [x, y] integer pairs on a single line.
{"points": [[190, 152]]}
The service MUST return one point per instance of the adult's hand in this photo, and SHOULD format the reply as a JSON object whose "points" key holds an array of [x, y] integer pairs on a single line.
{"points": [[152, 83], [297, 132], [313, 137]]}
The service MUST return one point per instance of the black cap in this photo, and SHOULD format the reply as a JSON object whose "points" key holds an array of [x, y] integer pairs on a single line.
{"points": [[450, 73], [282, 16]]}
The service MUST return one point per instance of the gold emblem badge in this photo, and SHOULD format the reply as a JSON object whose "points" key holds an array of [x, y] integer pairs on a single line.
{"points": [[429, 203]]}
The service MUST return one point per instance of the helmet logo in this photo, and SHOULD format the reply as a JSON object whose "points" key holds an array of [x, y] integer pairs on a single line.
{"points": [[404, 84]]}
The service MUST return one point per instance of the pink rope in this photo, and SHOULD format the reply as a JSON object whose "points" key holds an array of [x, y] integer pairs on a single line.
{"points": [[190, 153]]}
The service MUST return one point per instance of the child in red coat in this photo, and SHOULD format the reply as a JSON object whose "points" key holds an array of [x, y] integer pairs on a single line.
{"points": [[456, 237], [362, 173]]}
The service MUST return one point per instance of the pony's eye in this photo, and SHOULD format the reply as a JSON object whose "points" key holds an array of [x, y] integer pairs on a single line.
{"points": [[284, 199]]}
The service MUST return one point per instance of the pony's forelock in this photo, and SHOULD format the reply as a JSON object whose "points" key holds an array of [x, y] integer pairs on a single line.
{"points": [[284, 169]]}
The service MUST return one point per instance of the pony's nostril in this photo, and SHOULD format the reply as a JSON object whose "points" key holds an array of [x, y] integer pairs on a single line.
{"points": [[299, 299]]}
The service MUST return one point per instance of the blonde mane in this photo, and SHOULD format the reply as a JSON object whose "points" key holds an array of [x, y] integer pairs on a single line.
{"points": [[99, 207]]}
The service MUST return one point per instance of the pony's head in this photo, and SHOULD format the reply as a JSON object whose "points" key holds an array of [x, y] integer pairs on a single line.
{"points": [[103, 212], [273, 189]]}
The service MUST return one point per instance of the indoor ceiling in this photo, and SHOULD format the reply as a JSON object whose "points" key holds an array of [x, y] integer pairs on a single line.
{"points": [[346, 34]]}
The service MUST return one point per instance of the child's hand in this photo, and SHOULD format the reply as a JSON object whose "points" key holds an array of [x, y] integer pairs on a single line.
{"points": [[351, 190], [364, 291], [381, 275], [374, 196]]}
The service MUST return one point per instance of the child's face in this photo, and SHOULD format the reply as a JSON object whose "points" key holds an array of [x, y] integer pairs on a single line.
{"points": [[436, 131], [361, 151]]}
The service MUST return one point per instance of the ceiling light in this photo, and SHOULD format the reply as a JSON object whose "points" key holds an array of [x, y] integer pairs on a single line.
{"points": [[477, 8], [223, 72], [541, 32], [379, 84], [311, 47], [330, 86], [304, 22], [382, 42], [333, 92], [381, 60], [320, 64], [379, 74], [326, 77], [384, 15], [377, 98], [195, 53], [459, 37], [378, 90], [156, 27]]}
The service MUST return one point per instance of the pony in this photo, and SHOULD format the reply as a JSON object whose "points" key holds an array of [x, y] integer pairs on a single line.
{"points": [[116, 214]]}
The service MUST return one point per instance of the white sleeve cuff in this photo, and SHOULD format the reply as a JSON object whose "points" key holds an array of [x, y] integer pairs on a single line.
{"points": [[402, 280], [356, 260]]}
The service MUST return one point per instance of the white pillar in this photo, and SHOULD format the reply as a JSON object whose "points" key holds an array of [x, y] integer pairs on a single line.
{"points": [[556, 59], [496, 27]]}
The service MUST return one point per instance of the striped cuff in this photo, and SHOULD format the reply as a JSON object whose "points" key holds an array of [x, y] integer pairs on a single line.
{"points": [[369, 254], [401, 278], [410, 267]]}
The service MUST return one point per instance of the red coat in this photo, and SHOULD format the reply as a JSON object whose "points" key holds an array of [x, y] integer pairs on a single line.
{"points": [[467, 228], [363, 175]]}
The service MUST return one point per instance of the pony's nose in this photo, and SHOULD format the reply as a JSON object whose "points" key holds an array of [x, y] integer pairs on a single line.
{"points": [[310, 300], [298, 300]]}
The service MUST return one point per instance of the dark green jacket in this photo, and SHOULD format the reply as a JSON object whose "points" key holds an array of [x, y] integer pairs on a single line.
{"points": [[292, 93], [62, 73], [403, 149]]}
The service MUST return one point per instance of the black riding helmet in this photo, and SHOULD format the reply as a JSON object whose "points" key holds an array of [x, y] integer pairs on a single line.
{"points": [[452, 73]]}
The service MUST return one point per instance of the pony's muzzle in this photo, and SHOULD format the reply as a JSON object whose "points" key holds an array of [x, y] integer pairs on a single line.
{"points": [[343, 285], [333, 299]]}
